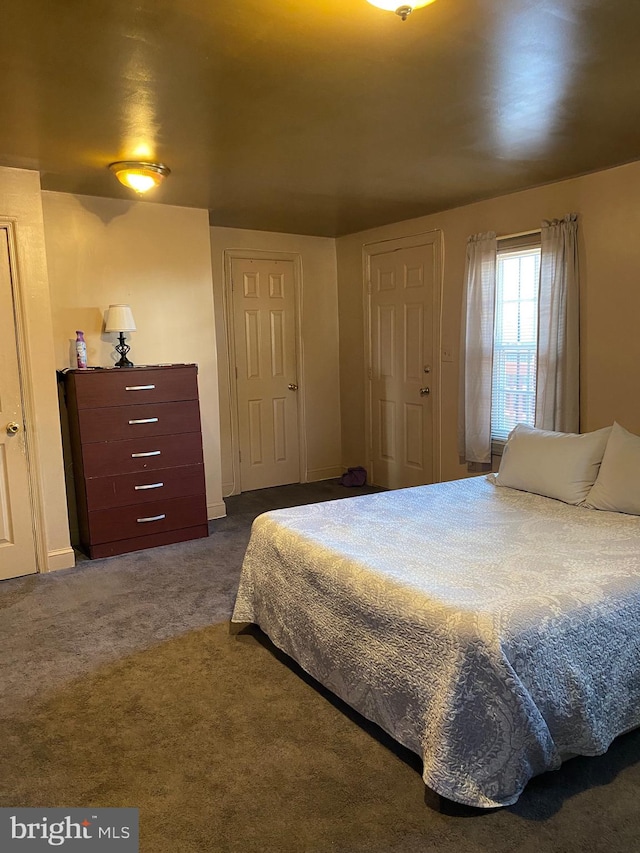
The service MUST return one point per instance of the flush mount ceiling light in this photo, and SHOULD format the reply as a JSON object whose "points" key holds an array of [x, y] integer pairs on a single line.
{"points": [[139, 175], [403, 10]]}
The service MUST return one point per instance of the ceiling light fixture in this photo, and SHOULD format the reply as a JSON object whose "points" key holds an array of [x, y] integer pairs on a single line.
{"points": [[403, 10], [139, 175]]}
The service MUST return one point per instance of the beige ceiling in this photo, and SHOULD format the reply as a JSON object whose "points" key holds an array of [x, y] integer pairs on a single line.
{"points": [[319, 116]]}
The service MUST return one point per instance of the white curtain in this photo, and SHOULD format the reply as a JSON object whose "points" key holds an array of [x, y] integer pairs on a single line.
{"points": [[476, 349], [558, 380]]}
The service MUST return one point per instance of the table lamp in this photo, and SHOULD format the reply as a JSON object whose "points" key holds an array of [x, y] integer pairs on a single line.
{"points": [[120, 319]]}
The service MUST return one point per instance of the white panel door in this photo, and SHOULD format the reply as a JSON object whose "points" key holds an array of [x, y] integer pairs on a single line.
{"points": [[17, 544], [401, 298], [267, 385]]}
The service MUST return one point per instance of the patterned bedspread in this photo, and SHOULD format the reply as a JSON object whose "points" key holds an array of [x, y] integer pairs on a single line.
{"points": [[492, 631]]}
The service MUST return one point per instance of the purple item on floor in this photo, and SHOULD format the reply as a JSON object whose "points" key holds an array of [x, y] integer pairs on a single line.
{"points": [[354, 477]]}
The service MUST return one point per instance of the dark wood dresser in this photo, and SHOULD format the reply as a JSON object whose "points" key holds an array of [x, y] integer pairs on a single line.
{"points": [[137, 457]]}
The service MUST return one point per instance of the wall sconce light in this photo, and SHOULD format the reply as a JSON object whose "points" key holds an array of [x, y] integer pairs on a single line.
{"points": [[120, 319], [402, 9], [139, 175]]}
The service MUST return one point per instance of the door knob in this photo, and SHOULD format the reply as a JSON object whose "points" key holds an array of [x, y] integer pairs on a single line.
{"points": [[293, 386], [424, 392], [13, 428]]}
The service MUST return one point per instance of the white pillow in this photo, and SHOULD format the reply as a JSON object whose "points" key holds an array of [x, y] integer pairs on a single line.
{"points": [[561, 465], [617, 488]]}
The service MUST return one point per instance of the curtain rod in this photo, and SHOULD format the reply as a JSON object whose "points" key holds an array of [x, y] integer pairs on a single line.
{"points": [[520, 234]]}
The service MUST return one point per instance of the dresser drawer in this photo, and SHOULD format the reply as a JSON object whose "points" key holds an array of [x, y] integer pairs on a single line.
{"points": [[127, 522], [116, 423], [144, 487], [133, 386], [101, 459], [152, 540]]}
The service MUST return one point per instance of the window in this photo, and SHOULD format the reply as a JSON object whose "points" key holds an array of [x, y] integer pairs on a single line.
{"points": [[513, 398], [519, 326]]}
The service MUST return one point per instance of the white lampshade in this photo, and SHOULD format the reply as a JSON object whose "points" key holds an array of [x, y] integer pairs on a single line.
{"points": [[119, 319]]}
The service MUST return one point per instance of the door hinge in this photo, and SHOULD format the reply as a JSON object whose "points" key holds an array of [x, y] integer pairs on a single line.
{"points": [[240, 456], [236, 371], [370, 373]]}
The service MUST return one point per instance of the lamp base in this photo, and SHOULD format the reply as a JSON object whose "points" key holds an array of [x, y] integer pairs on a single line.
{"points": [[123, 349]]}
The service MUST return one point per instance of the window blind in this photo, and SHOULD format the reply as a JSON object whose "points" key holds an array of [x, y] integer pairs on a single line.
{"points": [[513, 398]]}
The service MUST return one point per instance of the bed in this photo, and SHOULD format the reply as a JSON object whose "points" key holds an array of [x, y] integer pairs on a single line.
{"points": [[492, 631]]}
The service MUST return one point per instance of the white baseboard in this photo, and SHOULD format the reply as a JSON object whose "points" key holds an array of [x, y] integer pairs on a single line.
{"points": [[60, 558], [217, 510], [324, 473]]}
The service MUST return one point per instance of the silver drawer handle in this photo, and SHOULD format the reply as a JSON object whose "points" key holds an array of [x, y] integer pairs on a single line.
{"points": [[144, 421], [151, 518], [139, 387], [150, 486], [148, 453]]}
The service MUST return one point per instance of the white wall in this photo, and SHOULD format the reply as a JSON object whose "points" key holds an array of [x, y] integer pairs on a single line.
{"points": [[20, 201], [608, 204], [157, 259], [319, 382]]}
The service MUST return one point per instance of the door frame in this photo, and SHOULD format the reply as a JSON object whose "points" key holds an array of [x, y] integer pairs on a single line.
{"points": [[227, 296], [434, 238], [25, 381]]}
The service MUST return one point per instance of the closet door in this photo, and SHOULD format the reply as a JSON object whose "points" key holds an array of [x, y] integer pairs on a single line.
{"points": [[403, 357], [267, 372]]}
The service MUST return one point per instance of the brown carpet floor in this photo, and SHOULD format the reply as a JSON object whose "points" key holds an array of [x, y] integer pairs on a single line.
{"points": [[120, 684]]}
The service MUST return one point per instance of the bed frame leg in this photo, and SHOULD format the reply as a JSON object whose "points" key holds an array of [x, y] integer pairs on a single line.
{"points": [[433, 800], [448, 807]]}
